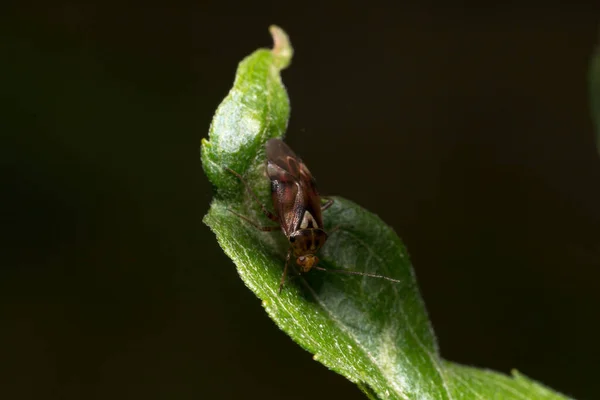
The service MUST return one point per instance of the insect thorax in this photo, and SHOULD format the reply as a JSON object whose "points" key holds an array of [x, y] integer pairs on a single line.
{"points": [[307, 241]]}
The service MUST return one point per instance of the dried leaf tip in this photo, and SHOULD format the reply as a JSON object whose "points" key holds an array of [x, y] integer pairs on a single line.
{"points": [[282, 48]]}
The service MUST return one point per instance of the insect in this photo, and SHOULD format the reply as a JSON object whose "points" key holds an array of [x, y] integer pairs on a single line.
{"points": [[298, 209]]}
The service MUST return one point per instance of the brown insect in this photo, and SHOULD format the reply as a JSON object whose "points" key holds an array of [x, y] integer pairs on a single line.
{"points": [[298, 209]]}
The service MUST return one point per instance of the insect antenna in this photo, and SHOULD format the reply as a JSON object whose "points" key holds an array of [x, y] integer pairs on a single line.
{"points": [[343, 271]]}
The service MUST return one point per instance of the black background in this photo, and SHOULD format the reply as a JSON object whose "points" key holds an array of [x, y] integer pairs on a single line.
{"points": [[465, 128]]}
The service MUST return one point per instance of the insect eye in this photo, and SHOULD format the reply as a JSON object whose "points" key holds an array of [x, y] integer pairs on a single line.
{"points": [[292, 239]]}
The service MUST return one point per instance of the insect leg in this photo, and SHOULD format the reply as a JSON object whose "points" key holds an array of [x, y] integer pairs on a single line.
{"points": [[335, 228], [262, 228], [327, 205], [268, 213], [287, 260]]}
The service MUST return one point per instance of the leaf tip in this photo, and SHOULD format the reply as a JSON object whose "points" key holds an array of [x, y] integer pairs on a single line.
{"points": [[282, 48]]}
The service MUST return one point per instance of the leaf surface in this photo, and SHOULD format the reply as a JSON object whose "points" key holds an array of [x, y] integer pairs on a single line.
{"points": [[374, 332]]}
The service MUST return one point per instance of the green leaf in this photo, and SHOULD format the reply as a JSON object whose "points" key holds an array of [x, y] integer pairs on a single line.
{"points": [[594, 78], [374, 332]]}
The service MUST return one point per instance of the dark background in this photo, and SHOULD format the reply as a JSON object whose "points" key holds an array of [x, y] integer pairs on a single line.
{"points": [[467, 129]]}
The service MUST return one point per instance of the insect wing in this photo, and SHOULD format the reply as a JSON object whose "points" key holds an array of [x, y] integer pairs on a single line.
{"points": [[281, 155], [293, 187], [284, 191]]}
